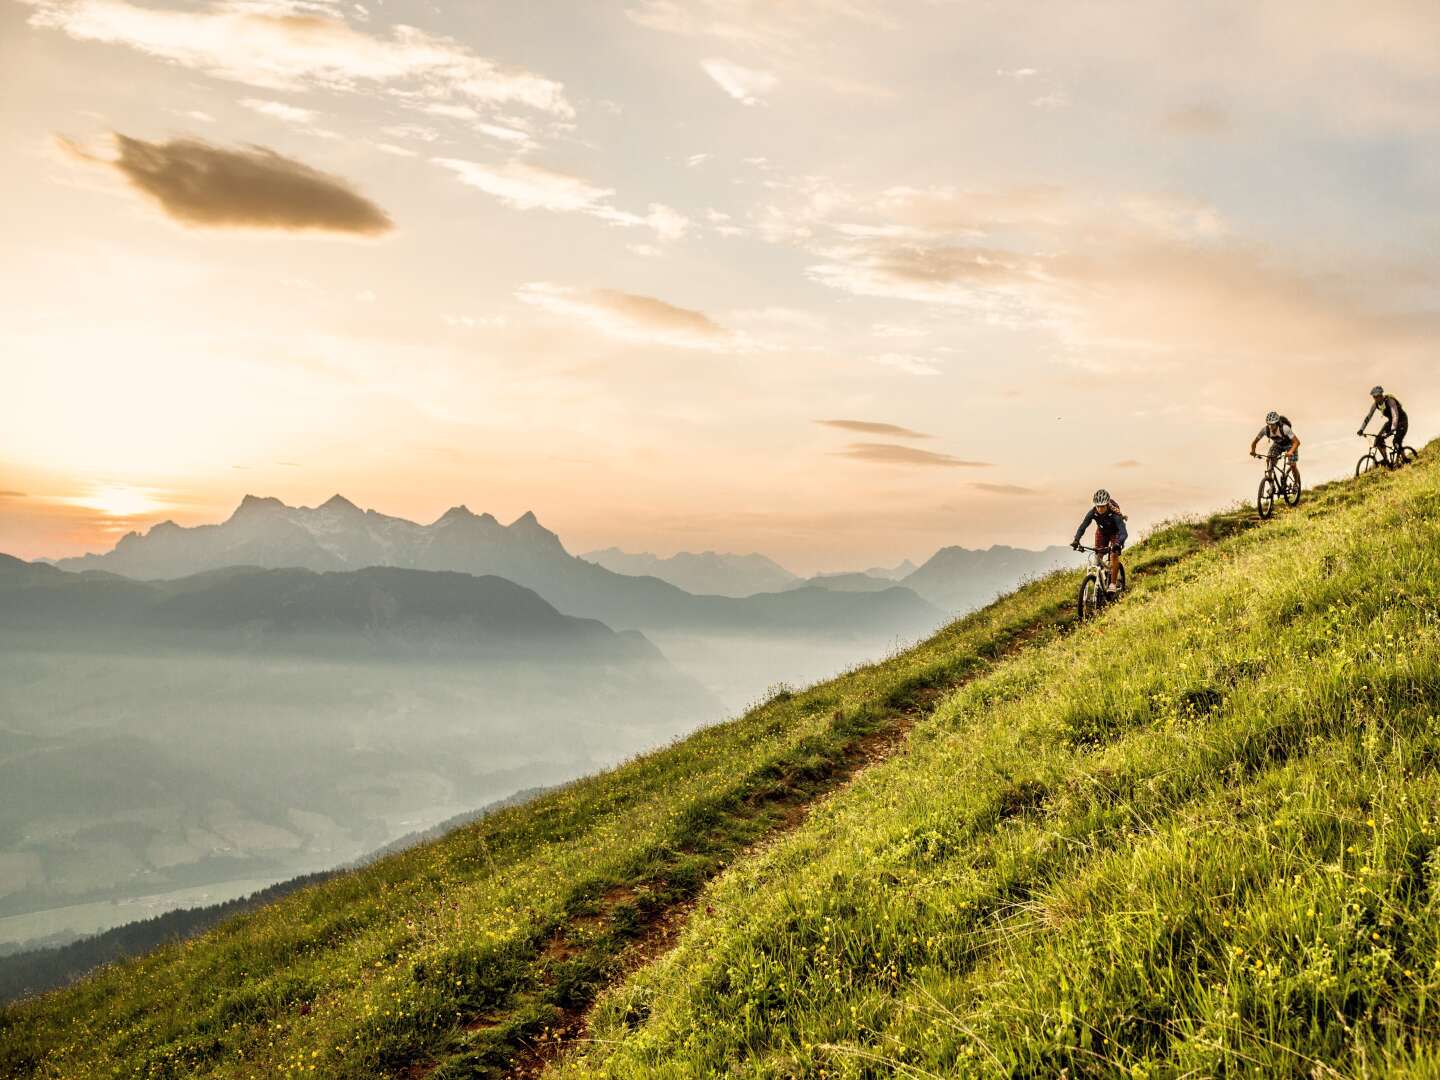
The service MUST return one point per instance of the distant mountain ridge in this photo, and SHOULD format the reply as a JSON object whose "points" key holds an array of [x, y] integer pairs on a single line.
{"points": [[958, 579], [378, 611], [711, 573], [338, 535]]}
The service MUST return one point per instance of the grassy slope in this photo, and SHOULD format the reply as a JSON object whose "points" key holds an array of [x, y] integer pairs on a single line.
{"points": [[458, 953], [1200, 838], [922, 911]]}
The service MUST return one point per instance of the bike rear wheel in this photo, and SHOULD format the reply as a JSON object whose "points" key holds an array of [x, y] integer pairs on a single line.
{"points": [[1366, 463], [1265, 498], [1087, 601], [1292, 485]]}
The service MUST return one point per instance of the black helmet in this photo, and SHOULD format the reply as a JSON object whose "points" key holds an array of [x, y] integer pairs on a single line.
{"points": [[1272, 417], [1102, 497], [1377, 391]]}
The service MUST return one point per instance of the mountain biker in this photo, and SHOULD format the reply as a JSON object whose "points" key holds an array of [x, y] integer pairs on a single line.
{"points": [[1396, 422], [1283, 440], [1110, 532]]}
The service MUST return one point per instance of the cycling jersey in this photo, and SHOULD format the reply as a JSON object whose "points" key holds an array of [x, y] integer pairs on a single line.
{"points": [[1281, 436], [1394, 413], [1110, 528]]}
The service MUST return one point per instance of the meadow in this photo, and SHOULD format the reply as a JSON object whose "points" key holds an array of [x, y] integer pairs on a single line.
{"points": [[1194, 837]]}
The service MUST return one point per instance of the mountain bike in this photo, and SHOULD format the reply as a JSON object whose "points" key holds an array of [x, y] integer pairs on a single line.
{"points": [[1095, 591], [1381, 454], [1283, 481]]}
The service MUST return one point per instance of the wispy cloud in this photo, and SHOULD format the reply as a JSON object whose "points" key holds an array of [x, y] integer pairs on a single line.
{"points": [[746, 85], [1128, 463], [294, 45], [1003, 489], [908, 363], [524, 186], [629, 316], [291, 114], [870, 427], [198, 184], [893, 454], [13, 495]]}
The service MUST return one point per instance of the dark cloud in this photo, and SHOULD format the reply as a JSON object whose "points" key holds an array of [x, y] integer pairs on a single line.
{"points": [[1128, 463], [249, 187], [1003, 489], [12, 495], [870, 427], [890, 454]]}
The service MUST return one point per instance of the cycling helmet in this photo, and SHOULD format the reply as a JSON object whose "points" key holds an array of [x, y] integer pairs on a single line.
{"points": [[1377, 391], [1101, 497], [1272, 417]]}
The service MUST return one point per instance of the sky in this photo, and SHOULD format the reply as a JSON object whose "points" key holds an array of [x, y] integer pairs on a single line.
{"points": [[841, 281]]}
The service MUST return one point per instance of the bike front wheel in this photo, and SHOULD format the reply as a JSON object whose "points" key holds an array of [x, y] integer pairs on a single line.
{"points": [[1407, 454], [1366, 463], [1087, 601], [1292, 486], [1265, 498]]}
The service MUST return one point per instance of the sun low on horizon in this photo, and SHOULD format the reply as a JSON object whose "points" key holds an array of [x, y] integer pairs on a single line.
{"points": [[838, 281]]}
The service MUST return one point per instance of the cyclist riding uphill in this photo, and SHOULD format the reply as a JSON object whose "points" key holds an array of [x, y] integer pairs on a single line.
{"points": [[1283, 440], [1110, 532], [1396, 422]]}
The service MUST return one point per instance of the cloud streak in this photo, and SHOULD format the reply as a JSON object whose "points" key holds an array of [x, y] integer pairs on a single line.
{"points": [[745, 85], [293, 45], [201, 185], [893, 454], [629, 316], [870, 427], [523, 186]]}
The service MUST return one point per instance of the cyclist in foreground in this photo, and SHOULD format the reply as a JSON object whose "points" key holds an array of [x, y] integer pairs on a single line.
{"points": [[1397, 423], [1283, 440], [1110, 532]]}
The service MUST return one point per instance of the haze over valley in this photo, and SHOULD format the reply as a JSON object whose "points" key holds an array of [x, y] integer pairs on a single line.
{"points": [[201, 711]]}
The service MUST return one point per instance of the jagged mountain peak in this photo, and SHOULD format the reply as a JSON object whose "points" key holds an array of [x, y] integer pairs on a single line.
{"points": [[254, 504], [338, 503]]}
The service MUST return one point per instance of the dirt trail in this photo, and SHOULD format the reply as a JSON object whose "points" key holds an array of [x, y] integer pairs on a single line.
{"points": [[653, 928]]}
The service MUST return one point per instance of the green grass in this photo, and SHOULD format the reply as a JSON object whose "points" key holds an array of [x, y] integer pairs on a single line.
{"points": [[1096, 851], [1199, 838]]}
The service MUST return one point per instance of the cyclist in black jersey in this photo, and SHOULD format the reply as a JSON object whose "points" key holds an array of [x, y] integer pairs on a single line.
{"points": [[1110, 532], [1397, 424]]}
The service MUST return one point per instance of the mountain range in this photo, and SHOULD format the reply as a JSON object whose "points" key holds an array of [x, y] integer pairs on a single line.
{"points": [[705, 573], [338, 535]]}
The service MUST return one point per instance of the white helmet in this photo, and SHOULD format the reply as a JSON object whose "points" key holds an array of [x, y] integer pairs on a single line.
{"points": [[1102, 497], [1272, 417], [1377, 391]]}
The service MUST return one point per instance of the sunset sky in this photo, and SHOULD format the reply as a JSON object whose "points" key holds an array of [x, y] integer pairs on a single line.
{"points": [[841, 281]]}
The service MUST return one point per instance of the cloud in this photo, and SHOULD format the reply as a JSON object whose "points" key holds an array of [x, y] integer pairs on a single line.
{"points": [[523, 186], [629, 316], [198, 184], [13, 495], [1196, 119], [745, 85], [294, 45], [291, 114], [529, 187], [869, 427], [911, 365], [891, 454], [1003, 489], [776, 28], [1128, 463]]}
